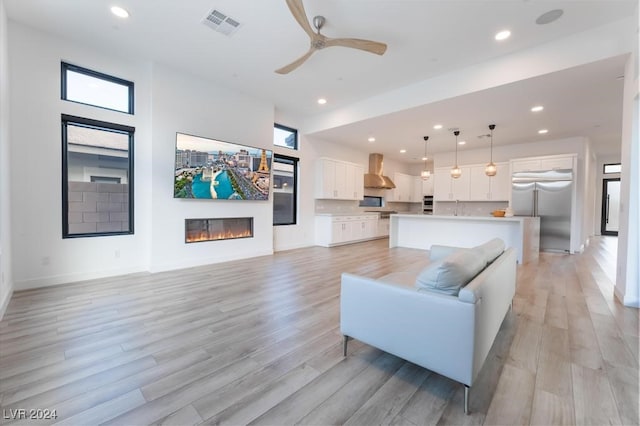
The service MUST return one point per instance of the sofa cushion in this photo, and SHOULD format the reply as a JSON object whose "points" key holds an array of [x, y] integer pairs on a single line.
{"points": [[450, 274], [490, 250]]}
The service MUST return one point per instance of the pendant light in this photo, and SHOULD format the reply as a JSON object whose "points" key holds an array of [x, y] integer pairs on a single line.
{"points": [[456, 172], [425, 174], [491, 169]]}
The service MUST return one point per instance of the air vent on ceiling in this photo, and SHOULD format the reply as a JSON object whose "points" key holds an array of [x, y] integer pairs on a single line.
{"points": [[221, 22]]}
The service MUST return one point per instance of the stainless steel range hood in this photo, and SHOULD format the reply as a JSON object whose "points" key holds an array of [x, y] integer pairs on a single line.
{"points": [[375, 178]]}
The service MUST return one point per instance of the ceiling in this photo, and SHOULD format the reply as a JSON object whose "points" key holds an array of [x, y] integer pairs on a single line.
{"points": [[425, 39]]}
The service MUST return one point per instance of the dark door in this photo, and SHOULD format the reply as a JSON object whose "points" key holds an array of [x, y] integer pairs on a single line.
{"points": [[610, 206]]}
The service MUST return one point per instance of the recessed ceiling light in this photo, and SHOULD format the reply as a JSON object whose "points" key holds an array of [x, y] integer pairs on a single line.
{"points": [[371, 139], [119, 12], [402, 151], [549, 17], [462, 143], [543, 131], [322, 101], [438, 126], [503, 35], [425, 158], [537, 108]]}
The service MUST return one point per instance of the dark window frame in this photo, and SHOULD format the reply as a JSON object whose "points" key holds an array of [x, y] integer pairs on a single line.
{"points": [[287, 129], [295, 162], [104, 126], [604, 168], [64, 67]]}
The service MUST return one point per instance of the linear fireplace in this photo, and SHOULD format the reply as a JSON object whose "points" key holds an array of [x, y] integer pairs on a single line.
{"points": [[215, 229]]}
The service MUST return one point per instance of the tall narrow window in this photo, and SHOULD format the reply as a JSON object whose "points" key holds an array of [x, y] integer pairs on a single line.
{"points": [[97, 178], [90, 87], [285, 136], [285, 191]]}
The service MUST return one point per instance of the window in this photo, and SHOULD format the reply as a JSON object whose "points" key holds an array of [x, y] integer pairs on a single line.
{"points": [[370, 201], [285, 189], [285, 136], [97, 178], [612, 168], [93, 88]]}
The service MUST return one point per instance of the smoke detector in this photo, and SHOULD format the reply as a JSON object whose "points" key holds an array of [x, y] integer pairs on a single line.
{"points": [[221, 22]]}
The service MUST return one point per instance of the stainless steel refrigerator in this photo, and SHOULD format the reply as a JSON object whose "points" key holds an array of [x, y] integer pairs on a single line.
{"points": [[548, 195]]}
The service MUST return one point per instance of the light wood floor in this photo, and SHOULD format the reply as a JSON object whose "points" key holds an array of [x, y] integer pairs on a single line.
{"points": [[257, 341]]}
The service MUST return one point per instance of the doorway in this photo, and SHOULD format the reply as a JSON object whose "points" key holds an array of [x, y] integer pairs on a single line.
{"points": [[610, 206]]}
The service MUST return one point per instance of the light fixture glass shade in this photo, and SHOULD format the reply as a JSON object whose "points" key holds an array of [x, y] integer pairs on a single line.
{"points": [[456, 172], [490, 169], [425, 174]]}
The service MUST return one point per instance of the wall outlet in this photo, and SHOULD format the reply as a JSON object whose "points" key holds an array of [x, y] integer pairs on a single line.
{"points": [[117, 254], [46, 260]]}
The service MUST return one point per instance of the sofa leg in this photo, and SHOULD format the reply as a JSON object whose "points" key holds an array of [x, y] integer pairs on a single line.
{"points": [[466, 399], [345, 340]]}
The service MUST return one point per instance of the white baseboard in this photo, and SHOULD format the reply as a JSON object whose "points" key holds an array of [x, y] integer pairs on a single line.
{"points": [[5, 303], [292, 247], [70, 278], [200, 261]]}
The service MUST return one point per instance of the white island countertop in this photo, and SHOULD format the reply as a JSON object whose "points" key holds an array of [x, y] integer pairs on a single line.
{"points": [[423, 231]]}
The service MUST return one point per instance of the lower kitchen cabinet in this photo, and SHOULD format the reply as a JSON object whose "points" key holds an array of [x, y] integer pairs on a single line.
{"points": [[345, 229]]}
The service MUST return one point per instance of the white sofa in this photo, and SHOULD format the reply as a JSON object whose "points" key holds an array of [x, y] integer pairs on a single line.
{"points": [[450, 335]]}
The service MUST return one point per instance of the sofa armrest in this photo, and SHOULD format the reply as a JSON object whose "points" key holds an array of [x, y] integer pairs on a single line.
{"points": [[437, 252], [432, 330]]}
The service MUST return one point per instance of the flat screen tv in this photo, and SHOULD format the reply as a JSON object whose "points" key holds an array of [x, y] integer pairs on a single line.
{"points": [[212, 169]]}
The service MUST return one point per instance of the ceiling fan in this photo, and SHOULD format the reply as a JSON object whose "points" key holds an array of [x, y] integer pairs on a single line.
{"points": [[319, 41]]}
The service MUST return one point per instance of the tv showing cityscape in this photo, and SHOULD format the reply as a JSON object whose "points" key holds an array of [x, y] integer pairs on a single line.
{"points": [[212, 169]]}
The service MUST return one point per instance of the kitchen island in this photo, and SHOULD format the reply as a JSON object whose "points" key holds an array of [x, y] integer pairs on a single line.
{"points": [[422, 231]]}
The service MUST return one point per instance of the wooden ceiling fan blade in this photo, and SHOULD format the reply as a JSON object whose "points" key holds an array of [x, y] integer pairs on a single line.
{"points": [[295, 64], [356, 43], [297, 10]]}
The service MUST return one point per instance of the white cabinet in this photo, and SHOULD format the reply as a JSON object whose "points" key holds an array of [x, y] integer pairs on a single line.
{"points": [[524, 165], [402, 191], [446, 188], [383, 228], [480, 184], [485, 188], [553, 162], [358, 181], [336, 230], [427, 186], [501, 183], [408, 189], [441, 185], [416, 189], [556, 163], [339, 180]]}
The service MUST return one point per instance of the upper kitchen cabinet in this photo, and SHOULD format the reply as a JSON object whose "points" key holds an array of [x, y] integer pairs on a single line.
{"points": [[552, 162], [485, 188], [339, 180], [427, 186], [446, 188], [408, 189]]}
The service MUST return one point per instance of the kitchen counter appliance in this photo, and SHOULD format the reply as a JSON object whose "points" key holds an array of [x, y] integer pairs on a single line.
{"points": [[548, 195]]}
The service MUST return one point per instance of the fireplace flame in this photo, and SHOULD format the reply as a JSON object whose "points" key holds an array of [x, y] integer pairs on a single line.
{"points": [[194, 237]]}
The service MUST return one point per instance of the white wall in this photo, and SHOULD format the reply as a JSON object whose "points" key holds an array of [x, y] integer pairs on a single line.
{"points": [[288, 237], [187, 104], [627, 287], [6, 276], [40, 256]]}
